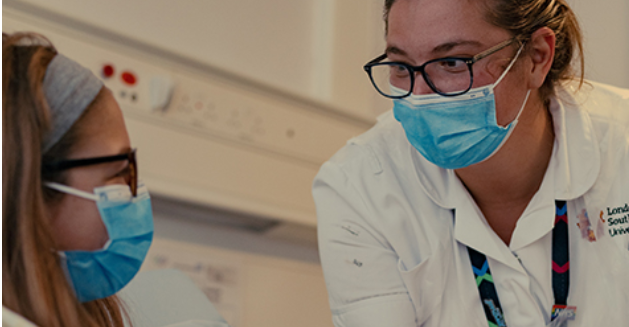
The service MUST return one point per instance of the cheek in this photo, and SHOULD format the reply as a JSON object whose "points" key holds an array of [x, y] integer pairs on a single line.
{"points": [[77, 225], [510, 95], [487, 74]]}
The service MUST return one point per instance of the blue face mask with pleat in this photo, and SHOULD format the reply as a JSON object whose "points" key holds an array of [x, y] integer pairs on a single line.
{"points": [[454, 132], [129, 222]]}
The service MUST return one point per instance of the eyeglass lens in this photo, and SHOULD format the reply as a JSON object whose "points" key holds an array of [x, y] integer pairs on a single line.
{"points": [[131, 179], [133, 174], [445, 76]]}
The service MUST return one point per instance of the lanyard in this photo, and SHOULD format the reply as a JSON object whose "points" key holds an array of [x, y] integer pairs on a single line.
{"points": [[560, 273]]}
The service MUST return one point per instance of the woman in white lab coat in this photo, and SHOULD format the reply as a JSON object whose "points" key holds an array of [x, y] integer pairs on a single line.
{"points": [[76, 223], [496, 192]]}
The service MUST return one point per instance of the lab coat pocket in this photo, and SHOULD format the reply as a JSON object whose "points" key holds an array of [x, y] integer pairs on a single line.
{"points": [[426, 282]]}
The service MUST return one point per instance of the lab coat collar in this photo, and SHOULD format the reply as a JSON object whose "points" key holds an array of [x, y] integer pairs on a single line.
{"points": [[536, 221], [572, 171], [472, 230], [538, 218], [578, 155]]}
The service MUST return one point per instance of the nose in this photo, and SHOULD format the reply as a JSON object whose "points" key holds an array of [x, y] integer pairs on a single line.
{"points": [[421, 86]]}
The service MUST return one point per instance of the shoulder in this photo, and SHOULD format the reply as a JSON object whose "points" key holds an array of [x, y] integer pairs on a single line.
{"points": [[367, 171], [606, 105], [379, 149], [366, 166], [382, 181], [12, 319], [605, 111]]}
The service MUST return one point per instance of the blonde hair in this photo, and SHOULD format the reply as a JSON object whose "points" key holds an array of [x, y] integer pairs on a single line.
{"points": [[523, 17], [34, 284]]}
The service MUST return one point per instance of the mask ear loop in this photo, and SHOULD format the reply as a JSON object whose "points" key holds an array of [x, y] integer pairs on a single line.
{"points": [[510, 64], [70, 190], [526, 98], [528, 93]]}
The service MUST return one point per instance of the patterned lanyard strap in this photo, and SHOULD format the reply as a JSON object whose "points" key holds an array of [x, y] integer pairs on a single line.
{"points": [[560, 273]]}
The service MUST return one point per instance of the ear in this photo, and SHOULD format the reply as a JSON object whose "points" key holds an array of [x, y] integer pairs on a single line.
{"points": [[542, 53]]}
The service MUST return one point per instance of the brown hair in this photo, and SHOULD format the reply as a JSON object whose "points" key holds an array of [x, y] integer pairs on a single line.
{"points": [[34, 284], [523, 17]]}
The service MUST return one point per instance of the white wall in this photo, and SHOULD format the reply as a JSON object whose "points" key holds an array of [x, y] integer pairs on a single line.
{"points": [[605, 26], [606, 30], [311, 48], [268, 41]]}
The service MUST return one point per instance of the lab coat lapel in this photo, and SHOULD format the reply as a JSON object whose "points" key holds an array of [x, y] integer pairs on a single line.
{"points": [[472, 230], [571, 172], [538, 219], [578, 154]]}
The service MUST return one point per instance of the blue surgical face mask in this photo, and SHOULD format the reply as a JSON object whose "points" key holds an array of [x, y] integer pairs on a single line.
{"points": [[129, 222], [454, 132]]}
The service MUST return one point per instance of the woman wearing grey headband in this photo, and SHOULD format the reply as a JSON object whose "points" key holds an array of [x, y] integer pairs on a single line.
{"points": [[68, 246]]}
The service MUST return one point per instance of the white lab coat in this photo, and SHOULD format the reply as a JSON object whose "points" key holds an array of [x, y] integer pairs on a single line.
{"points": [[12, 319], [393, 228]]}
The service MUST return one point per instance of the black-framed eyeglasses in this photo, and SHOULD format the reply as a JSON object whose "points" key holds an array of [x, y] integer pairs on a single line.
{"points": [[132, 179], [450, 76]]}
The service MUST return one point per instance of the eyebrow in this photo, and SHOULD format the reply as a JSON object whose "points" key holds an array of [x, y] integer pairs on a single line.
{"points": [[395, 50], [451, 45], [442, 48]]}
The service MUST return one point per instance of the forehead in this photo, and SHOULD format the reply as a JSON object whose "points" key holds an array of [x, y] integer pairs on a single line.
{"points": [[103, 131], [418, 25]]}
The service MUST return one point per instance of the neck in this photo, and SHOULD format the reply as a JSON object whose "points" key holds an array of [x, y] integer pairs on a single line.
{"points": [[503, 185]]}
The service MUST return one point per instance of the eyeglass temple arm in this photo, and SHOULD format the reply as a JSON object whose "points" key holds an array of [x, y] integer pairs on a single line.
{"points": [[379, 58], [493, 50], [63, 165]]}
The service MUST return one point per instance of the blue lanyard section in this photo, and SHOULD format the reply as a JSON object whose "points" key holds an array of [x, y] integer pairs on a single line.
{"points": [[560, 272]]}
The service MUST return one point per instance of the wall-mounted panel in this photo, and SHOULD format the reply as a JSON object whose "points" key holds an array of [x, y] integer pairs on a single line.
{"points": [[213, 140]]}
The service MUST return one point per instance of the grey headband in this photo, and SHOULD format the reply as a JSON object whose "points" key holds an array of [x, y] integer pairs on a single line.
{"points": [[69, 89]]}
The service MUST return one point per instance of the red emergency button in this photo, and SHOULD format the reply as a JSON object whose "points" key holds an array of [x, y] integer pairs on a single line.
{"points": [[108, 71], [129, 78]]}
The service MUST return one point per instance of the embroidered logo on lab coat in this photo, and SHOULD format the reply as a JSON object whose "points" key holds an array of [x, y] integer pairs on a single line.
{"points": [[617, 220]]}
